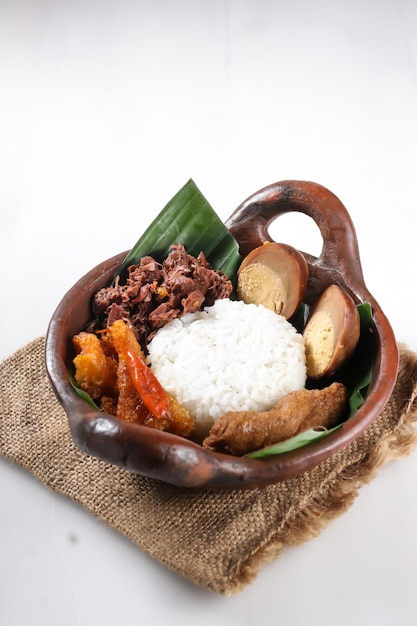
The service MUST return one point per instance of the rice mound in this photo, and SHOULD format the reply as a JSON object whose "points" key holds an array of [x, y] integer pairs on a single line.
{"points": [[230, 356]]}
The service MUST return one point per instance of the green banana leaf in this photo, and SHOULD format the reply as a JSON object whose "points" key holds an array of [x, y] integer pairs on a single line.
{"points": [[80, 392], [298, 441], [358, 392], [188, 219]]}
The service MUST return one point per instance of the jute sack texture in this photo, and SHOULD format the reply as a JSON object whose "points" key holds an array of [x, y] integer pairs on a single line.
{"points": [[218, 540]]}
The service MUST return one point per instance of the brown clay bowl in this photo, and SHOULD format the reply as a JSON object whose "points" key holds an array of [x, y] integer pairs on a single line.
{"points": [[175, 460]]}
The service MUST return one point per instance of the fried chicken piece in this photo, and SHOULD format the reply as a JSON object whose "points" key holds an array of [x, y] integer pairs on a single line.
{"points": [[241, 432]]}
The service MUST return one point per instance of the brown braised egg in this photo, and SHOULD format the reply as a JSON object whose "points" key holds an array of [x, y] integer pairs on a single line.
{"points": [[274, 275], [331, 333]]}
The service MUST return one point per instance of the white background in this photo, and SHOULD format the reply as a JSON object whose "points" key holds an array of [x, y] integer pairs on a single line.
{"points": [[106, 110]]}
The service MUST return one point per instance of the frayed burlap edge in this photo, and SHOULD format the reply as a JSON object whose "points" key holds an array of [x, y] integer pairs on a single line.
{"points": [[337, 499]]}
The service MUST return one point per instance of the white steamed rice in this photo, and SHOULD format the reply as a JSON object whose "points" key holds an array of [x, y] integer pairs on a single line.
{"points": [[231, 356]]}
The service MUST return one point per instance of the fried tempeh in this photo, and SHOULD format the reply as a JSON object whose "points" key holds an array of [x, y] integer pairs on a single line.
{"points": [[241, 432]]}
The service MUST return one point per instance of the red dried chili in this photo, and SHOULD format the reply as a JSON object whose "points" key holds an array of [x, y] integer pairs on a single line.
{"points": [[148, 387]]}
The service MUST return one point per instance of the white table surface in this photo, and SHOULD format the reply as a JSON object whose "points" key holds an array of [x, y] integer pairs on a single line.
{"points": [[106, 109]]}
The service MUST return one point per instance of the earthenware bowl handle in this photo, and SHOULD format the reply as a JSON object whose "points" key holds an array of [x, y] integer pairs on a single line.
{"points": [[339, 259]]}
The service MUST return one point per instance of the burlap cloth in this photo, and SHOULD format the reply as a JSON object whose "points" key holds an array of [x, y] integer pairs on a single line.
{"points": [[218, 540]]}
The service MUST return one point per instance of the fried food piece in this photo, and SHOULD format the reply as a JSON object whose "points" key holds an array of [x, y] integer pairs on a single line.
{"points": [[240, 432], [109, 405], [130, 406], [181, 421], [102, 371], [95, 372], [123, 339]]}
